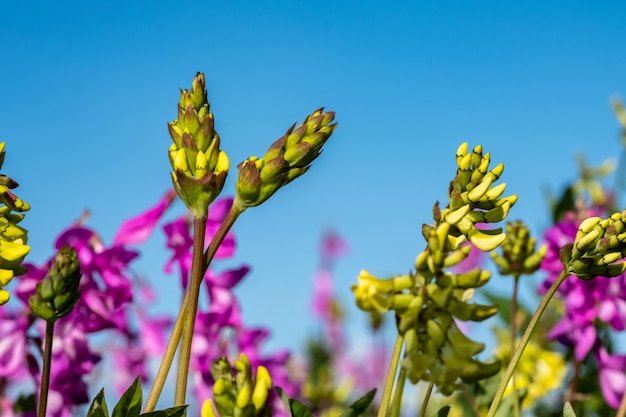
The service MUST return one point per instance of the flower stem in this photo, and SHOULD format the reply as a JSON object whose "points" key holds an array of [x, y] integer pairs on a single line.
{"points": [[429, 391], [516, 405], [524, 341], [397, 396], [197, 272], [177, 330], [45, 371], [391, 375]]}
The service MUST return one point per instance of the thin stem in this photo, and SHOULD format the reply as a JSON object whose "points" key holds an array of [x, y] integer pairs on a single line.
{"points": [[429, 391], [621, 412], [168, 358], [197, 272], [175, 336], [470, 400], [524, 341], [45, 371], [516, 405], [397, 396], [391, 374]]}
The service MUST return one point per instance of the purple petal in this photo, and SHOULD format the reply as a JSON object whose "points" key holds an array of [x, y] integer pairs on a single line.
{"points": [[138, 229]]}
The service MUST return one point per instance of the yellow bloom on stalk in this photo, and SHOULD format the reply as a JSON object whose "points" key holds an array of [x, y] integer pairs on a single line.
{"points": [[538, 372]]}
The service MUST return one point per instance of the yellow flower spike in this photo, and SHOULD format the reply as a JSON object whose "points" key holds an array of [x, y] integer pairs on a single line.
{"points": [[208, 410]]}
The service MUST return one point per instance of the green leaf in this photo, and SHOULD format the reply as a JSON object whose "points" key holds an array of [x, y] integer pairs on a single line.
{"points": [[98, 406], [443, 412], [294, 407], [25, 403], [359, 407], [568, 411], [298, 409], [168, 412], [130, 403], [285, 399]]}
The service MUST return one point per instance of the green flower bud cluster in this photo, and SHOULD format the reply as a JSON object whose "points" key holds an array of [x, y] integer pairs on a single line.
{"points": [[519, 256], [599, 245], [13, 238], [427, 302], [199, 167], [289, 157], [56, 295], [238, 395]]}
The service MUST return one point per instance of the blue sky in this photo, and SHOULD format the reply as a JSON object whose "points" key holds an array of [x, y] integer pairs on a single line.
{"points": [[88, 87]]}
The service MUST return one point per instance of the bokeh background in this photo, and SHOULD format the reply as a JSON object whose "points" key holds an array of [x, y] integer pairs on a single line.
{"points": [[86, 90]]}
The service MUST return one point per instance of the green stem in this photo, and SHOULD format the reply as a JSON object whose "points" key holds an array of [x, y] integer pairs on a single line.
{"points": [[516, 405], [524, 341], [429, 391], [168, 358], [175, 336], [397, 396], [391, 374], [197, 268], [45, 371]]}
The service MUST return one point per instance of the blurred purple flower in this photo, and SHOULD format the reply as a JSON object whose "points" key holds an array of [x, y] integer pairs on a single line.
{"points": [[612, 376], [13, 328]]}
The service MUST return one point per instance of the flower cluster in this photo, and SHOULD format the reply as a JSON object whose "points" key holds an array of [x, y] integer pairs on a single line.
{"points": [[428, 302], [13, 238]]}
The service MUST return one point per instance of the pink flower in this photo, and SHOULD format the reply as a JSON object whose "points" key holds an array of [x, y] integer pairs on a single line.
{"points": [[612, 376], [138, 229]]}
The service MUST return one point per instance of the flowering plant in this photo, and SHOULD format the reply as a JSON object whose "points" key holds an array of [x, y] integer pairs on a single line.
{"points": [[87, 299]]}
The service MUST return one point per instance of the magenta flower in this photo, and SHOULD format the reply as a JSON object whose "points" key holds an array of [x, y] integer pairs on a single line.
{"points": [[612, 376], [138, 229], [13, 328]]}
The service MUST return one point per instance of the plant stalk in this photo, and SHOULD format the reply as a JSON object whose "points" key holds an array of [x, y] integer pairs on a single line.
{"points": [[175, 336], [524, 341], [391, 375], [516, 404], [197, 272], [45, 371], [429, 391], [397, 396]]}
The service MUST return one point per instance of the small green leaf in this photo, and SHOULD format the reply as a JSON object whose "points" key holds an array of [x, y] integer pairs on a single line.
{"points": [[443, 411], [98, 406], [568, 410], [285, 399], [168, 412], [298, 409], [294, 407], [130, 403], [359, 407]]}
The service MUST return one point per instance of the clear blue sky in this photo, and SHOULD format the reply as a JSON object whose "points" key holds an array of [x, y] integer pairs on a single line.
{"points": [[88, 87]]}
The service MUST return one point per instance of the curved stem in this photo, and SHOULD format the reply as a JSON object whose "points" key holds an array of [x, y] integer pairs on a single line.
{"points": [[391, 374], [426, 398], [197, 272], [523, 342], [45, 371], [516, 405]]}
